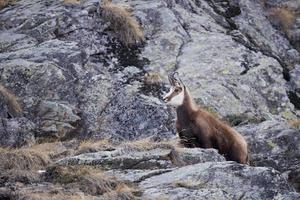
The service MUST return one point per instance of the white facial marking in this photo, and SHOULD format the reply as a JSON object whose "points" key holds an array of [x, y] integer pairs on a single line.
{"points": [[169, 93], [177, 100]]}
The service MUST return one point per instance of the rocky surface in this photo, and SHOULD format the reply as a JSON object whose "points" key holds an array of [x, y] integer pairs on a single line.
{"points": [[60, 58], [74, 79], [169, 173], [218, 181], [272, 144], [156, 158]]}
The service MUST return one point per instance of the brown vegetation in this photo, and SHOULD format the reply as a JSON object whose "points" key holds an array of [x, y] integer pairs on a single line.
{"points": [[22, 160], [89, 146], [21, 168], [71, 1], [19, 176], [91, 181], [152, 78], [11, 101], [60, 182], [148, 144], [294, 123], [282, 17], [124, 192], [4, 3], [51, 150], [122, 23], [189, 184]]}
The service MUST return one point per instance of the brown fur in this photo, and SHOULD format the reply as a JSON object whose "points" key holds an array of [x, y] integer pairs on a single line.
{"points": [[198, 128]]}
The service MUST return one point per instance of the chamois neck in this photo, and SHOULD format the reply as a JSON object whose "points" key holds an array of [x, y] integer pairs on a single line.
{"points": [[188, 102]]}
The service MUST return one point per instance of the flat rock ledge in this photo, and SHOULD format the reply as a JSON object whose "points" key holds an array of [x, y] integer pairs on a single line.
{"points": [[181, 173], [131, 158]]}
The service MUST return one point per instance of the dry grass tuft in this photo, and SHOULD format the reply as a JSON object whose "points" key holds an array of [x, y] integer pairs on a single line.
{"points": [[37, 192], [69, 174], [152, 78], [147, 144], [4, 3], [90, 181], [90, 146], [122, 23], [294, 123], [52, 150], [190, 184], [124, 192], [282, 17], [72, 1], [20, 176], [22, 159], [11, 101]]}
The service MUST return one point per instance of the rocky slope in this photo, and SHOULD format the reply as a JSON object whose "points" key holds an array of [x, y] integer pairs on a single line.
{"points": [[75, 80]]}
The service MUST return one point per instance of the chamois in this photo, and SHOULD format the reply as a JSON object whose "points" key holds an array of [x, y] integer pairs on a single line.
{"points": [[198, 128]]}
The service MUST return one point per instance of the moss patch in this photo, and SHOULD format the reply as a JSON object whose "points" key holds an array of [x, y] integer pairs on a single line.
{"points": [[235, 120]]}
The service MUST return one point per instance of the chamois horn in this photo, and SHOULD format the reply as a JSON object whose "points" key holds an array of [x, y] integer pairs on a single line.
{"points": [[174, 80]]}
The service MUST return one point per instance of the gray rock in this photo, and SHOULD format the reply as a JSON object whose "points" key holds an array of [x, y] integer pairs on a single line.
{"points": [[189, 156], [131, 115], [68, 50], [74, 78], [10, 41], [253, 22], [218, 180], [17, 132], [136, 175], [57, 119], [273, 143], [135, 158], [217, 69], [122, 159], [57, 112], [294, 91]]}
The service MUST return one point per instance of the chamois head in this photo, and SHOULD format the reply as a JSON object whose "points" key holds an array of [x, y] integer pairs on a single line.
{"points": [[176, 94]]}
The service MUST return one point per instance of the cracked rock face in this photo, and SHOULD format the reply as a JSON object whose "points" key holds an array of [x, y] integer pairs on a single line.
{"points": [[16, 132], [218, 181], [168, 173], [74, 79], [274, 144], [64, 53], [156, 158]]}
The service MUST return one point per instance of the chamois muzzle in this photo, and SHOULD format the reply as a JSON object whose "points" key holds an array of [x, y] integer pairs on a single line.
{"points": [[166, 99]]}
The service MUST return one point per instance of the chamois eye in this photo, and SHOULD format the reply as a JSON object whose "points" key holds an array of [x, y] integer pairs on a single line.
{"points": [[176, 90]]}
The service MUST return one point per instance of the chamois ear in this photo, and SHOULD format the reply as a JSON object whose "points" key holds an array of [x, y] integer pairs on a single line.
{"points": [[181, 83], [178, 80], [171, 80]]}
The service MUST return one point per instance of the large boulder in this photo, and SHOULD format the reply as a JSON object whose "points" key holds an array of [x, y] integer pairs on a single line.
{"points": [[275, 144], [57, 119], [223, 180]]}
